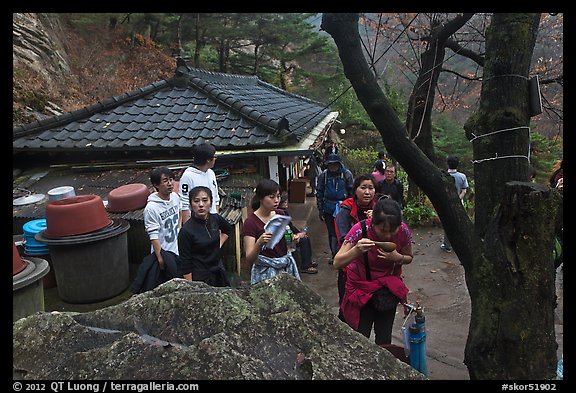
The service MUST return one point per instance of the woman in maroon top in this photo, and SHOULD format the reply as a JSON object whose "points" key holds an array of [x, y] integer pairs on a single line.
{"points": [[266, 262]]}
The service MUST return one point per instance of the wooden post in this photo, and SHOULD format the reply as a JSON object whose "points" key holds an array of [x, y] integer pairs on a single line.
{"points": [[237, 245]]}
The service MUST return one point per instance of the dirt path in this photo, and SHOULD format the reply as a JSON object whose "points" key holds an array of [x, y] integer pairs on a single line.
{"points": [[435, 279]]}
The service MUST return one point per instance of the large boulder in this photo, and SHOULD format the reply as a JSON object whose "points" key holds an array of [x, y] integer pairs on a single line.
{"points": [[276, 329]]}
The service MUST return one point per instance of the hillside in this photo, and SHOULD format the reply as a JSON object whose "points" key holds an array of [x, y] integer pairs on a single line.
{"points": [[59, 69]]}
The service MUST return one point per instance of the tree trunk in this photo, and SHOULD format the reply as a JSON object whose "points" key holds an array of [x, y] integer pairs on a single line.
{"points": [[499, 131], [506, 254], [513, 290], [421, 102]]}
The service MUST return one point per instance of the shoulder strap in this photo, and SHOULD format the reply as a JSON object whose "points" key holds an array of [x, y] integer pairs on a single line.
{"points": [[365, 234]]}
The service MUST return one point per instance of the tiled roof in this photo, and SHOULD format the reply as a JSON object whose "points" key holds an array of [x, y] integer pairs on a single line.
{"points": [[195, 106]]}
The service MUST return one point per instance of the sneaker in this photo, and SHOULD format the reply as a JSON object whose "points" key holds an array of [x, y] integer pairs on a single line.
{"points": [[310, 194], [310, 270], [314, 264], [445, 248]]}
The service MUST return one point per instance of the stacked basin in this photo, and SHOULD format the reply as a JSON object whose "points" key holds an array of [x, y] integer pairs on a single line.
{"points": [[32, 248], [27, 288], [89, 251]]}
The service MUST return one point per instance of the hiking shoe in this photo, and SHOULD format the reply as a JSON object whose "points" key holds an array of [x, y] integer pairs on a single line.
{"points": [[310, 270], [445, 247]]}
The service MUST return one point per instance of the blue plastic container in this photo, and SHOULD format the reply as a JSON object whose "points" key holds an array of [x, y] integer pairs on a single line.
{"points": [[31, 246]]}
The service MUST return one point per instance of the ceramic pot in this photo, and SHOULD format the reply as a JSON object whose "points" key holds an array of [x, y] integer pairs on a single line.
{"points": [[127, 198], [17, 263], [76, 215]]}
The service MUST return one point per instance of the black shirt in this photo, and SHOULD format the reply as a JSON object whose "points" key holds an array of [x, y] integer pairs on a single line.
{"points": [[395, 190], [199, 245]]}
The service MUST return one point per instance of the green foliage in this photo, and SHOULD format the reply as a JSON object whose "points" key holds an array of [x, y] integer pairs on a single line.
{"points": [[397, 99], [80, 20], [544, 154], [469, 198], [449, 138], [359, 161], [419, 212], [346, 103]]}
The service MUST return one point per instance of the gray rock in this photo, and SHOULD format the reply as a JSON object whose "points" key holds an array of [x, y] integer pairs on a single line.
{"points": [[277, 329]]}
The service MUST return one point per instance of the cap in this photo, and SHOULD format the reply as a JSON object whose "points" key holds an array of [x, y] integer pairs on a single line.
{"points": [[333, 158]]}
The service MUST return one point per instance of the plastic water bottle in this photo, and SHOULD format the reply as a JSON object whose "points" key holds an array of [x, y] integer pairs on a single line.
{"points": [[289, 237], [560, 368]]}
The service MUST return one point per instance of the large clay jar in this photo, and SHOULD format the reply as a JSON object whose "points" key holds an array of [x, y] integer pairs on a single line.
{"points": [[128, 197], [75, 216]]}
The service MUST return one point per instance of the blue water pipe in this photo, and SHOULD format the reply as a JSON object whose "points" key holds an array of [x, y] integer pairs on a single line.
{"points": [[417, 337]]}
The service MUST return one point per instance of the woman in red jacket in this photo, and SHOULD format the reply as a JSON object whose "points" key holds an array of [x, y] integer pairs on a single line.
{"points": [[385, 269], [352, 210]]}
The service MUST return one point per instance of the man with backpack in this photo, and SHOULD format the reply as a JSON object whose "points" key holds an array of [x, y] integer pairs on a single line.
{"points": [[333, 186]]}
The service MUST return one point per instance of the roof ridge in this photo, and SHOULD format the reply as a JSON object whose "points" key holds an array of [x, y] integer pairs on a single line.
{"points": [[279, 127], [86, 111], [271, 86]]}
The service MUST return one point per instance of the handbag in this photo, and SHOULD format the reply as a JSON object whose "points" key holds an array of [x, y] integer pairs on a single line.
{"points": [[382, 299]]}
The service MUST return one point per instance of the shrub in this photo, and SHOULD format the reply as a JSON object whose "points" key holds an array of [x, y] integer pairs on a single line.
{"points": [[418, 213]]}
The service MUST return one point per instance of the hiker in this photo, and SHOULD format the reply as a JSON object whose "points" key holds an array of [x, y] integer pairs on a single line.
{"points": [[334, 185], [369, 268], [378, 172], [391, 186], [461, 184], [200, 241], [161, 213], [381, 157], [266, 262], [353, 210], [556, 179], [312, 173], [307, 265], [200, 174], [161, 220]]}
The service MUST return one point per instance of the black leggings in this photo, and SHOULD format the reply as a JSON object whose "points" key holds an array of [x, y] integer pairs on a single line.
{"points": [[332, 239], [305, 253], [341, 290], [383, 322]]}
